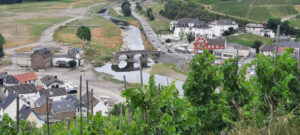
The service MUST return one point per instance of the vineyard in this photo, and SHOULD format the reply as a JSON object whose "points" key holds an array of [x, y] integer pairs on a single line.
{"points": [[259, 10]]}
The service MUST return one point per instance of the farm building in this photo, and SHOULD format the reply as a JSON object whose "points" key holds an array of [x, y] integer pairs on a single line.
{"points": [[21, 59], [41, 59], [201, 28], [63, 60], [259, 29]]}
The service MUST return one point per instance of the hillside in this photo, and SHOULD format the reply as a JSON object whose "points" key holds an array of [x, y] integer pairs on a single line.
{"points": [[259, 10]]}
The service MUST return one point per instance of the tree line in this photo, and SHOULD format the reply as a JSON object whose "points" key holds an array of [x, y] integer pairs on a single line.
{"points": [[217, 100]]}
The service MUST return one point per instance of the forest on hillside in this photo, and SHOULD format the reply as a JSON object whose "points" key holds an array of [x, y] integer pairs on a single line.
{"points": [[217, 100], [21, 1]]}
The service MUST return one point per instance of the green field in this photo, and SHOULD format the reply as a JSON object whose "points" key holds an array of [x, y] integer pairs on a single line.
{"points": [[249, 39], [258, 10], [295, 23]]}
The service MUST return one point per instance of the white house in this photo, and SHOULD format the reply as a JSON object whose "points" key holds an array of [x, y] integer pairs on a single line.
{"points": [[63, 60], [51, 82], [25, 91], [259, 29], [201, 28], [97, 103], [8, 105]]}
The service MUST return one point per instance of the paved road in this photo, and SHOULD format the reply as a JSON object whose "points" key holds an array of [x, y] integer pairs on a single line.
{"points": [[153, 38]]}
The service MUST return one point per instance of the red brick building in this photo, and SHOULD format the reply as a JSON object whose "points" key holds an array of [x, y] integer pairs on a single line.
{"points": [[208, 44]]}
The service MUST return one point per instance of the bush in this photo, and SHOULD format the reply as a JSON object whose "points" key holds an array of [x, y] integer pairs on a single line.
{"points": [[126, 10]]}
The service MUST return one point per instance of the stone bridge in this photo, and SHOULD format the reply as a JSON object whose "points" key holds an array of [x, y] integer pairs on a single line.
{"points": [[131, 54]]}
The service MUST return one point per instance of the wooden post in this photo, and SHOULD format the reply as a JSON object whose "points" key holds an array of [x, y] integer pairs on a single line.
{"points": [[47, 107], [121, 113], [68, 125], [87, 103], [141, 71], [128, 114], [125, 85], [74, 122], [92, 96], [111, 120], [276, 51], [159, 91], [80, 105], [17, 113]]}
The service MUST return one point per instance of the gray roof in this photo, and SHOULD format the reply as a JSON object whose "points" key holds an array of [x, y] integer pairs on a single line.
{"points": [[289, 44], [53, 92], [72, 52], [74, 100], [253, 25], [22, 55], [63, 106], [3, 75], [266, 48], [216, 41], [45, 52], [47, 80], [238, 46], [184, 22], [226, 22], [84, 99], [227, 50], [24, 112], [21, 89], [40, 101], [7, 101], [11, 80]]}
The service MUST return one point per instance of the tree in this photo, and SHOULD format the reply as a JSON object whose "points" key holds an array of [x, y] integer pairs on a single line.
{"points": [[190, 37], [2, 42], [72, 64], [150, 14], [84, 33], [200, 89], [181, 34], [126, 10], [256, 45], [226, 33], [272, 23], [231, 30], [138, 6]]}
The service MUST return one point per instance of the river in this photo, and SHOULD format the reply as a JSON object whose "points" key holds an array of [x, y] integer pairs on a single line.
{"points": [[132, 40]]}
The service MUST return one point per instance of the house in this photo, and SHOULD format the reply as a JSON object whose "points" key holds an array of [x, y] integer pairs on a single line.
{"points": [[227, 53], [8, 105], [97, 104], [7, 80], [63, 60], [21, 59], [51, 82], [63, 109], [259, 29], [27, 78], [282, 45], [208, 44], [201, 28], [76, 104], [41, 59], [26, 92], [27, 114], [54, 94]]}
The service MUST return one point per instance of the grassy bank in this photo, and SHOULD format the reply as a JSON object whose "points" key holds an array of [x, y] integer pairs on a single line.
{"points": [[249, 39], [170, 70]]}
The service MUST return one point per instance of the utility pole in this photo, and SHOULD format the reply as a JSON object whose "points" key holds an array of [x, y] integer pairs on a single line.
{"points": [[47, 107], [276, 51], [80, 105], [92, 96], [18, 113], [141, 71], [87, 103]]}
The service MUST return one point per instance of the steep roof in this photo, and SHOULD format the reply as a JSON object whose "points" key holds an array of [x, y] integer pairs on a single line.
{"points": [[7, 101], [47, 80], [216, 41], [11, 80], [53, 92], [26, 77], [63, 106], [184, 22], [21, 89], [45, 52], [41, 101], [266, 48], [226, 22], [74, 100], [24, 112], [95, 100]]}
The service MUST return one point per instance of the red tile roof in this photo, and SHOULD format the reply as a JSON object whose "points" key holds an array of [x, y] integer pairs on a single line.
{"points": [[26, 77]]}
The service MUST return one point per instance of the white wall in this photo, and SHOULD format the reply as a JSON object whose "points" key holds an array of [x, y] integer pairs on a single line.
{"points": [[11, 109], [21, 61]]}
